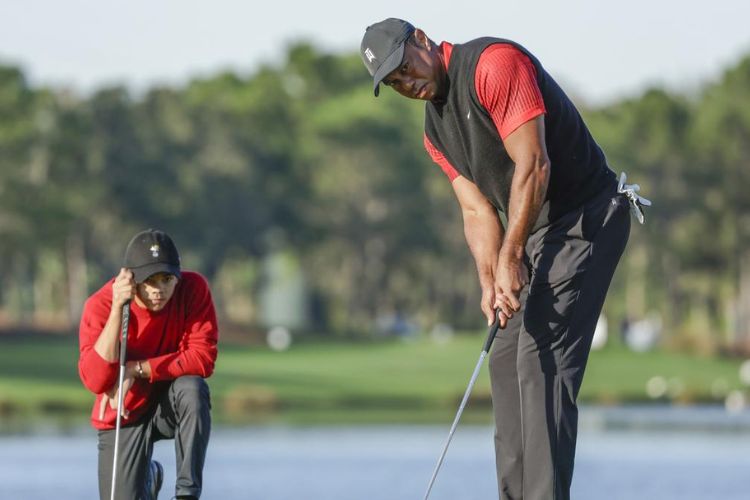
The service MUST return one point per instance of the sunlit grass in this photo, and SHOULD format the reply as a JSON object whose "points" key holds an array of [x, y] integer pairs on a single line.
{"points": [[405, 381]]}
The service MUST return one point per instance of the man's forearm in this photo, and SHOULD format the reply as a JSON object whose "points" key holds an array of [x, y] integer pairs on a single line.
{"points": [[527, 194], [483, 233]]}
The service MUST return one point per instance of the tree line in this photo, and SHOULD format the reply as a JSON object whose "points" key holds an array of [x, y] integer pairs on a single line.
{"points": [[301, 196]]}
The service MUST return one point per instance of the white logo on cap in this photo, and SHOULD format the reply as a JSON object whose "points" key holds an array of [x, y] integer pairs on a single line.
{"points": [[154, 250], [369, 55]]}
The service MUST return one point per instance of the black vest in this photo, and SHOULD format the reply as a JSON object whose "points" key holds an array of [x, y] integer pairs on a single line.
{"points": [[464, 132]]}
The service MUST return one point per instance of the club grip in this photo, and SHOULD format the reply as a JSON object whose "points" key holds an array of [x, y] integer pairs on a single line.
{"points": [[491, 336], [124, 332]]}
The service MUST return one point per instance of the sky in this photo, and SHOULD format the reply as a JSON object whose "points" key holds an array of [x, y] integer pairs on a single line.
{"points": [[600, 51]]}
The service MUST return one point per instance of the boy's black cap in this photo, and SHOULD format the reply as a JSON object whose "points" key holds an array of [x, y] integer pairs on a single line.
{"points": [[150, 252], [382, 48]]}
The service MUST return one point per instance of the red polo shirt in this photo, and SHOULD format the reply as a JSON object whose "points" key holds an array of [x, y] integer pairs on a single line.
{"points": [[178, 340], [505, 82]]}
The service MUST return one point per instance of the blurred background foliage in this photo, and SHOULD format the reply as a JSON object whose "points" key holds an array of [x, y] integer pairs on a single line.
{"points": [[312, 205]]}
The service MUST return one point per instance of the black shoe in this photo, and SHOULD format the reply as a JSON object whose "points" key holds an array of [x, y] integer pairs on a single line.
{"points": [[155, 478]]}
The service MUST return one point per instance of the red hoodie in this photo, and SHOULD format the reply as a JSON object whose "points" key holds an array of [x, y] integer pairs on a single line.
{"points": [[178, 340]]}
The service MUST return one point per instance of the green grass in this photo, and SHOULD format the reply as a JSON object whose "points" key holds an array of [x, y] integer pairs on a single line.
{"points": [[621, 375], [347, 382]]}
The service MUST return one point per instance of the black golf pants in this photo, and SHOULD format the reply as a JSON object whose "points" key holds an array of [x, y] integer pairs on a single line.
{"points": [[538, 360], [183, 413]]}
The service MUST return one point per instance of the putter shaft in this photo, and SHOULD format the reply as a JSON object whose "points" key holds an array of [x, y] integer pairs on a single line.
{"points": [[472, 381], [120, 394]]}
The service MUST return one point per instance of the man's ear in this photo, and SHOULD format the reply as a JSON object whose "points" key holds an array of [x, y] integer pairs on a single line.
{"points": [[422, 39]]}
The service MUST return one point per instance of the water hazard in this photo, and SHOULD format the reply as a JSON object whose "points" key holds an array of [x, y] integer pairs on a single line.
{"points": [[658, 454]]}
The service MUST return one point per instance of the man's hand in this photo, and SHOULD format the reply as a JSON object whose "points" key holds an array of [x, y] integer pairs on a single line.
{"points": [[510, 278], [488, 300], [123, 288], [490, 308]]}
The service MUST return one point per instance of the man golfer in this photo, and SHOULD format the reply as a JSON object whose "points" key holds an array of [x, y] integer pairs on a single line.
{"points": [[511, 141], [171, 349]]}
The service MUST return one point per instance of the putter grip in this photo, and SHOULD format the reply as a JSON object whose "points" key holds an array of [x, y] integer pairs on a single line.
{"points": [[124, 333], [491, 336]]}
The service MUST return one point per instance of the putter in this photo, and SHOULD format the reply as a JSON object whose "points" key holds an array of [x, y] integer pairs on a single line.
{"points": [[120, 395], [485, 350]]}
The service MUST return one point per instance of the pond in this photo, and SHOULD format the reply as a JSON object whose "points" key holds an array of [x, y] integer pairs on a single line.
{"points": [[632, 453]]}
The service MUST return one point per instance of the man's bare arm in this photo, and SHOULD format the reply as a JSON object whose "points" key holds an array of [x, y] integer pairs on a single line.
{"points": [[527, 149], [484, 234]]}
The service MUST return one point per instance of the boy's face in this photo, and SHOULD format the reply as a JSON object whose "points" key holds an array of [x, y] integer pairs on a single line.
{"points": [[156, 291]]}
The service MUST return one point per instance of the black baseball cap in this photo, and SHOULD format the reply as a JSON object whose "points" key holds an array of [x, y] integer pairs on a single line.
{"points": [[150, 252], [382, 48]]}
